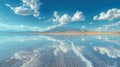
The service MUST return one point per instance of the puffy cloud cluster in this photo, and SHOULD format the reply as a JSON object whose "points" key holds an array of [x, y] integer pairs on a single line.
{"points": [[111, 14], [110, 51], [28, 7], [65, 18], [6, 27]]}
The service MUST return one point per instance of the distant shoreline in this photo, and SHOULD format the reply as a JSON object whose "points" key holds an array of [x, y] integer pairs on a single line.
{"points": [[72, 33]]}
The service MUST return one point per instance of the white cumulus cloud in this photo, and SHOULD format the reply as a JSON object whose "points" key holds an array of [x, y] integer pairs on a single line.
{"points": [[28, 7], [65, 18], [78, 16], [23, 11], [111, 14]]}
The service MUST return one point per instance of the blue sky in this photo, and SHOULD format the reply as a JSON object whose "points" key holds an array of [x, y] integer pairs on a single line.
{"points": [[46, 14]]}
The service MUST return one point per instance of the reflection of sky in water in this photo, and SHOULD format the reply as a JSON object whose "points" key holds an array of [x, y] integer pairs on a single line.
{"points": [[59, 51]]}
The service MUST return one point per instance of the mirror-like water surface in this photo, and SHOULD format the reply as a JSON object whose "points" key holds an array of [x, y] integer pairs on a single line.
{"points": [[59, 51]]}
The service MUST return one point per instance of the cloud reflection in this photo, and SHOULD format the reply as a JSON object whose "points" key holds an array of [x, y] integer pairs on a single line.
{"points": [[109, 51]]}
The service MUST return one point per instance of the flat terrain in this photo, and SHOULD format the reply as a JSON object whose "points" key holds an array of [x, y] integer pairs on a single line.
{"points": [[73, 33]]}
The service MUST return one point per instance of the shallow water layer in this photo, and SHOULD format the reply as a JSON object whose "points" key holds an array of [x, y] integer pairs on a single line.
{"points": [[59, 51]]}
